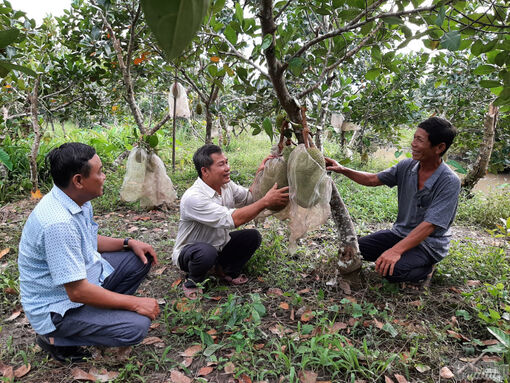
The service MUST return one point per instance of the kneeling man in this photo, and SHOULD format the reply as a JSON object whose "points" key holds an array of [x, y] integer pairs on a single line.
{"points": [[210, 209], [428, 192], [76, 286]]}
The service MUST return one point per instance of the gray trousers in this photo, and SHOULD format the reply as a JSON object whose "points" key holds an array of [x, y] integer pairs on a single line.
{"points": [[93, 326]]}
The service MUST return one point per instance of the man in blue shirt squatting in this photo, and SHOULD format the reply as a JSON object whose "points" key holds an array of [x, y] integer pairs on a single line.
{"points": [[210, 210], [76, 286], [428, 192]]}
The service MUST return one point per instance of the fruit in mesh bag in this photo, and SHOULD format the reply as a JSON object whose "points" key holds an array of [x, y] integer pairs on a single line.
{"points": [[286, 152], [199, 108], [275, 171], [309, 171]]}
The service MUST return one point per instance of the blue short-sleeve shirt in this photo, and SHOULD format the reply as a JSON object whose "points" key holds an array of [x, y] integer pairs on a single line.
{"points": [[435, 203], [58, 245]]}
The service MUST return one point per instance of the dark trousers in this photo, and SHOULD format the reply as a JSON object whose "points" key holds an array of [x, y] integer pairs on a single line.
{"points": [[198, 258], [93, 326], [413, 266]]}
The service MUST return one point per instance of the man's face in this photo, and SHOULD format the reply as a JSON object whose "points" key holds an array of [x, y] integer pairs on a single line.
{"points": [[421, 148], [93, 184], [218, 173]]}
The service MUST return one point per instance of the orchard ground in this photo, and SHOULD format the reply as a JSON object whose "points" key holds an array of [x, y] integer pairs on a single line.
{"points": [[288, 324]]}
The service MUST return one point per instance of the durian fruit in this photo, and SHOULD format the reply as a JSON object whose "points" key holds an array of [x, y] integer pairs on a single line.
{"points": [[286, 152], [309, 171], [198, 109], [275, 171]]}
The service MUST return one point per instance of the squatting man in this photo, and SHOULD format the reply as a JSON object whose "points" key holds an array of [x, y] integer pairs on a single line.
{"points": [[76, 286], [428, 192], [210, 209]]}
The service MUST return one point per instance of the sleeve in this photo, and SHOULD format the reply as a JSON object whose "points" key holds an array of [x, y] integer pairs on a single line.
{"points": [[389, 176], [242, 195], [199, 209], [64, 256], [443, 206]]}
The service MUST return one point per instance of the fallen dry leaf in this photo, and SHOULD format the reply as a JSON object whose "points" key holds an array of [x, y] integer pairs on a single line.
{"points": [[258, 346], [132, 229], [22, 371], [212, 332], [422, 368], [473, 283], [191, 351], [387, 379], [274, 291], [337, 326], [304, 291], [417, 303], [352, 299], [260, 279], [4, 251], [277, 330], [159, 271], [178, 377], [229, 368], [307, 316], [455, 290], [307, 377], [154, 325], [401, 378], [36, 195], [79, 374], [10, 291], [378, 324], [152, 340], [345, 287], [292, 314], [352, 322], [445, 373], [218, 298], [14, 315], [177, 282], [490, 342], [205, 371], [187, 362], [457, 335], [6, 370], [244, 379], [103, 375], [284, 305]]}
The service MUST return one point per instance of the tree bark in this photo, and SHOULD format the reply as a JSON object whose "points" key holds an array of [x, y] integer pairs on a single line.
{"points": [[33, 99], [481, 165]]}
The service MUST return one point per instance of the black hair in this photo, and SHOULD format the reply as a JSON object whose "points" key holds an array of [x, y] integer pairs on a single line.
{"points": [[69, 159], [202, 157], [439, 130]]}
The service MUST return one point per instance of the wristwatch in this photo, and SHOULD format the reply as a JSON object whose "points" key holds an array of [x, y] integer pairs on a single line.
{"points": [[125, 245]]}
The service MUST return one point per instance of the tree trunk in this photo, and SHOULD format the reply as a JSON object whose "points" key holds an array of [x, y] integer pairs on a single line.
{"points": [[349, 259], [208, 125], [479, 169], [33, 99]]}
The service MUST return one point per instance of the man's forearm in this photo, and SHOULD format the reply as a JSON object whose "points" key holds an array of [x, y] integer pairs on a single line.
{"points": [[247, 213], [108, 244], [415, 237], [362, 178]]}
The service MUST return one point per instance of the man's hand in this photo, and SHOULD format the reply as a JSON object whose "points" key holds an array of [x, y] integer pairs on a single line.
{"points": [[140, 248], [263, 164], [386, 262], [332, 165], [147, 306], [276, 198]]}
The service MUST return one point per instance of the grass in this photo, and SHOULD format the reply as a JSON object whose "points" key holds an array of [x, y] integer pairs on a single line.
{"points": [[288, 321]]}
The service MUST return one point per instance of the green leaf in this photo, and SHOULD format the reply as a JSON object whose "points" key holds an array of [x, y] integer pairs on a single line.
{"points": [[239, 12], [390, 329], [230, 34], [5, 159], [152, 140], [218, 6], [266, 43], [372, 74], [8, 67], [500, 335], [296, 65], [451, 40], [8, 36], [489, 83], [476, 48], [457, 166], [268, 128], [392, 20], [441, 16], [212, 349], [501, 58], [174, 22], [484, 69]]}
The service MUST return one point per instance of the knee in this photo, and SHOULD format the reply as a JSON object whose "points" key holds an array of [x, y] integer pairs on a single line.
{"points": [[135, 331]]}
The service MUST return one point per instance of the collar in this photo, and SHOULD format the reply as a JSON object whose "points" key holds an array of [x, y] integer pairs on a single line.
{"points": [[433, 178], [63, 198], [209, 191]]}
